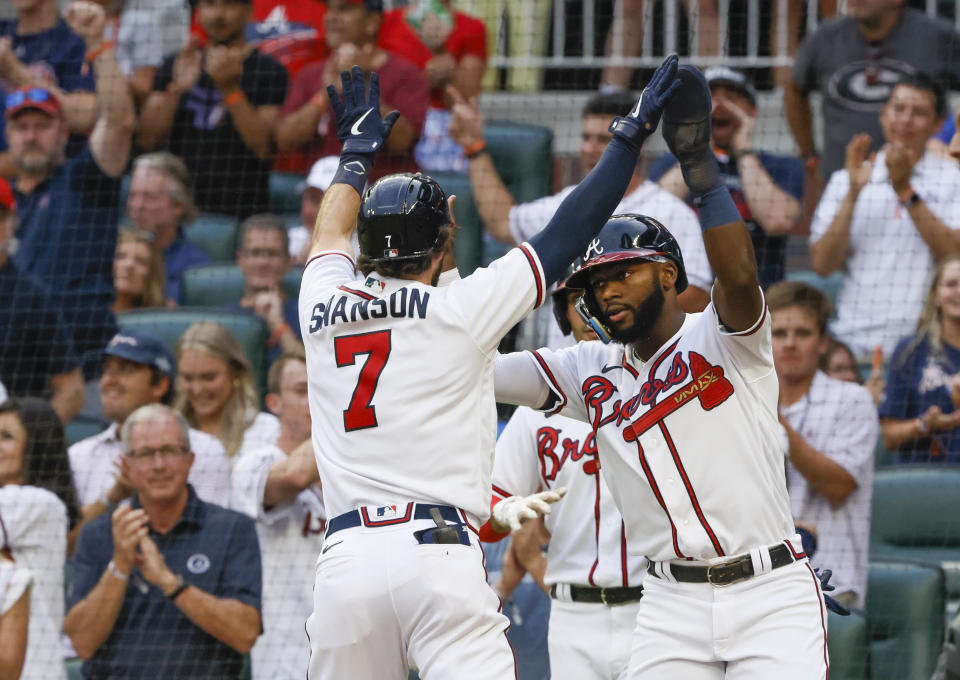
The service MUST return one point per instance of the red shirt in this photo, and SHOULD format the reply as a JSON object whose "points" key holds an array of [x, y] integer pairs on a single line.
{"points": [[403, 87], [469, 36]]}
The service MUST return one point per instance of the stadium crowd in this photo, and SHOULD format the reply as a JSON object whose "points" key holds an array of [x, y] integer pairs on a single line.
{"points": [[154, 423]]}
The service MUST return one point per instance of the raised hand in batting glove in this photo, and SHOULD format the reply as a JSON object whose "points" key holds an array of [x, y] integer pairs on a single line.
{"points": [[636, 126], [359, 124], [825, 586], [512, 512], [686, 130]]}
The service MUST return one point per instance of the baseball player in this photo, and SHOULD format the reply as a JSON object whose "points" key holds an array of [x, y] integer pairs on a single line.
{"points": [[592, 577], [400, 386], [684, 407]]}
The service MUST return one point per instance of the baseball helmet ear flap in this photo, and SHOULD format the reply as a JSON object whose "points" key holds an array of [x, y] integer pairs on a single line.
{"points": [[561, 299]]}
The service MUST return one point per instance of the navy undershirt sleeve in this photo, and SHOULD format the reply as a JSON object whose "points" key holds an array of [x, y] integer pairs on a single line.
{"points": [[585, 210]]}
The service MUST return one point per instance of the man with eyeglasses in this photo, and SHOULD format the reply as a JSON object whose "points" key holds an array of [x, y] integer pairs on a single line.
{"points": [[167, 585], [68, 208], [264, 259]]}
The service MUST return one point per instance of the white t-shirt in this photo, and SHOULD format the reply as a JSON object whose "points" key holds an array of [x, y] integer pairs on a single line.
{"points": [[95, 460], [401, 379], [689, 439], [263, 430], [528, 219], [888, 272], [839, 420], [33, 522], [291, 535], [588, 544]]}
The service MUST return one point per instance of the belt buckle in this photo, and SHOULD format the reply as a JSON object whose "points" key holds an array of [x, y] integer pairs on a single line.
{"points": [[603, 596], [721, 571]]}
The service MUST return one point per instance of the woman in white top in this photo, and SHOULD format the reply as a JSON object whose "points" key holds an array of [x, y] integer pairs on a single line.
{"points": [[215, 391], [37, 505]]}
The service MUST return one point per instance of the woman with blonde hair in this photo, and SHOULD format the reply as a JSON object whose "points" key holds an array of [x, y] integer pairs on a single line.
{"points": [[920, 410], [215, 391], [139, 277]]}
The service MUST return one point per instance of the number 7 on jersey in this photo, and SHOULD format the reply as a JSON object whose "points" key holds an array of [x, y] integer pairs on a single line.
{"points": [[361, 413]]}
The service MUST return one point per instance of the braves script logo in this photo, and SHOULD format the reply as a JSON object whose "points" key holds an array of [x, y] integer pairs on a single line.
{"points": [[593, 249], [547, 440], [707, 384]]}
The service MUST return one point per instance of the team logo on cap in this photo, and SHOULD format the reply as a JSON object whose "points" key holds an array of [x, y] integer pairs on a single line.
{"points": [[122, 340], [198, 563], [593, 250], [163, 364]]}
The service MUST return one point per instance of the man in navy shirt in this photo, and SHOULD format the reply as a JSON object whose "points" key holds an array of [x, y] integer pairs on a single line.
{"points": [[168, 586], [766, 188], [160, 202], [68, 209], [38, 48], [264, 260], [36, 349]]}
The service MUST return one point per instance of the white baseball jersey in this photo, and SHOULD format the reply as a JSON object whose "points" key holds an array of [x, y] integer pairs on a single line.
{"points": [[838, 419], [95, 460], [291, 535], [33, 522], [696, 425], [401, 379], [588, 544]]}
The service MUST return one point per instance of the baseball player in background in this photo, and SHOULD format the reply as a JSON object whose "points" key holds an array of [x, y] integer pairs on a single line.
{"points": [[684, 407], [591, 576], [400, 383]]}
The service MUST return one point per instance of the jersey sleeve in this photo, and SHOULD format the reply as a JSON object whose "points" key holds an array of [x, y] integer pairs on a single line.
{"points": [[750, 350], [515, 459], [560, 370], [493, 299], [829, 204], [528, 219], [854, 432], [325, 270]]}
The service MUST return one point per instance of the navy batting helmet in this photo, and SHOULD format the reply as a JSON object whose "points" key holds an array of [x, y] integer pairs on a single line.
{"points": [[400, 217], [559, 296], [625, 237]]}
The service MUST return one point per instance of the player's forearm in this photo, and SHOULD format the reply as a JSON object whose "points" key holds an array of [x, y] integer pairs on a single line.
{"points": [[585, 210], [492, 197], [299, 127], [336, 219], [230, 621], [824, 475], [90, 621], [776, 211], [941, 239], [831, 250]]}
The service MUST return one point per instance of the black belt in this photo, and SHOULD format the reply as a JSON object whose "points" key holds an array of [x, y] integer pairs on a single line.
{"points": [[355, 518], [725, 573], [601, 595]]}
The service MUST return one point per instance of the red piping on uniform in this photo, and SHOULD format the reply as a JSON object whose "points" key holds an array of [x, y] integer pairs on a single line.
{"points": [[536, 273], [630, 369], [331, 252], [690, 492], [596, 532], [359, 293], [656, 364], [756, 326], [553, 381], [656, 492], [796, 555], [487, 533], [385, 523], [623, 555], [501, 492], [823, 623]]}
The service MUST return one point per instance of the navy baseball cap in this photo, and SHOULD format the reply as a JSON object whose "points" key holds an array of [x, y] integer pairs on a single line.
{"points": [[142, 349]]}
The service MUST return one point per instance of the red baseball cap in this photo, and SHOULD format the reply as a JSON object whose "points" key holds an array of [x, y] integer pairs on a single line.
{"points": [[38, 98], [6, 196]]}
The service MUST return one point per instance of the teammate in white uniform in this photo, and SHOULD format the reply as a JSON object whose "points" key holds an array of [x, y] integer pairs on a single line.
{"points": [[401, 399], [684, 407], [593, 579]]}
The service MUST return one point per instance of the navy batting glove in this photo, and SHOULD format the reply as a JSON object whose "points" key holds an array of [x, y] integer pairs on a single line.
{"points": [[825, 586], [359, 124], [686, 130], [636, 126]]}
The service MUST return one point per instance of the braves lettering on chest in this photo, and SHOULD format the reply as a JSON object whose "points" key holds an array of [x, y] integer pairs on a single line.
{"points": [[554, 452], [403, 303]]}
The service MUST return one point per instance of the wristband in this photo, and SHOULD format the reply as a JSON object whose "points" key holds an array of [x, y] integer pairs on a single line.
{"points": [[475, 149], [115, 571], [716, 208], [909, 198], [93, 54], [922, 427], [277, 334], [181, 586], [811, 160], [233, 98], [353, 170]]}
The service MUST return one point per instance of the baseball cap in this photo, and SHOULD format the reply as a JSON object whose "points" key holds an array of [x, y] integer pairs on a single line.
{"points": [[369, 5], [6, 196], [321, 174], [722, 76], [142, 349], [38, 98]]}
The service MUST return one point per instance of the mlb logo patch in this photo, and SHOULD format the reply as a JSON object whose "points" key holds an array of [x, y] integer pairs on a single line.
{"points": [[374, 284], [386, 511]]}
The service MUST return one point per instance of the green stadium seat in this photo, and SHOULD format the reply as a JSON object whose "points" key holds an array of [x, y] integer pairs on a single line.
{"points": [[169, 324], [82, 427], [916, 516], [285, 192], [216, 235], [848, 642], [469, 244], [829, 285], [222, 284], [905, 606], [523, 156], [74, 669]]}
